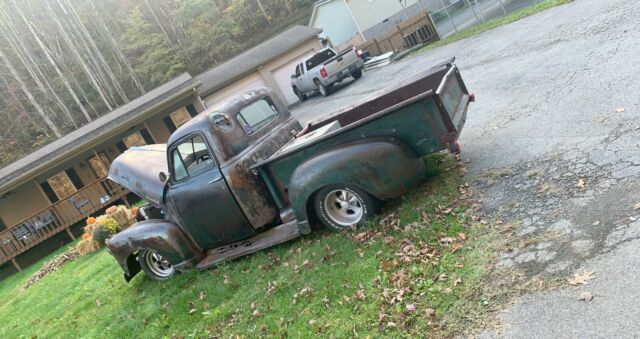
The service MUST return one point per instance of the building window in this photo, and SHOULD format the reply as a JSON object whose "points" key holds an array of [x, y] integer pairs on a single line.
{"points": [[133, 140], [99, 165], [61, 185], [3, 226], [180, 117]]}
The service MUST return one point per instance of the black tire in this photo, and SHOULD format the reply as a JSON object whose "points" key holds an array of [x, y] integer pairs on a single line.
{"points": [[324, 90], [357, 74], [301, 96], [155, 266], [329, 204]]}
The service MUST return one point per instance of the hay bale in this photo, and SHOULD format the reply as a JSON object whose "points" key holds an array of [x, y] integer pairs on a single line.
{"points": [[122, 215], [87, 246], [89, 228]]}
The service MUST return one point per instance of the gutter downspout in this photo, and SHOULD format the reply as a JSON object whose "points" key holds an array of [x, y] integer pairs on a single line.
{"points": [[355, 21]]}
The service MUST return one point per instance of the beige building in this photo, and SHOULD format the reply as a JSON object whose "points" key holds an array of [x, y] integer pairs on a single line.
{"points": [[45, 196]]}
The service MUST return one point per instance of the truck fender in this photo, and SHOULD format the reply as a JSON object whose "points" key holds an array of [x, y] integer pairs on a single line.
{"points": [[384, 167], [160, 235]]}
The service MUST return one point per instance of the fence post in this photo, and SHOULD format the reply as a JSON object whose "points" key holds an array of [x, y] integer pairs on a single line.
{"points": [[504, 11], [474, 11]]}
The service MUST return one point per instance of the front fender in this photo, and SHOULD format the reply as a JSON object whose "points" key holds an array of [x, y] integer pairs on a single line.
{"points": [[385, 167], [163, 236]]}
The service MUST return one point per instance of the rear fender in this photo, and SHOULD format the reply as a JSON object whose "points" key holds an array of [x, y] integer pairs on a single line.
{"points": [[163, 236], [385, 167]]}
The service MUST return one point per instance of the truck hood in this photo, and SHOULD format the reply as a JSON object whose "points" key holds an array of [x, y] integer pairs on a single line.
{"points": [[138, 169]]}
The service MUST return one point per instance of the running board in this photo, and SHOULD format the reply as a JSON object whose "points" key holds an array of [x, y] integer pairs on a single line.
{"points": [[272, 237]]}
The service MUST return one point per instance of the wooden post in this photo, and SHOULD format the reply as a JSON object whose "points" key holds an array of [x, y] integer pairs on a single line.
{"points": [[150, 132], [70, 234], [15, 263]]}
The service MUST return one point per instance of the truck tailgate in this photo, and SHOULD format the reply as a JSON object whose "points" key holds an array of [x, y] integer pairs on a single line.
{"points": [[341, 61]]}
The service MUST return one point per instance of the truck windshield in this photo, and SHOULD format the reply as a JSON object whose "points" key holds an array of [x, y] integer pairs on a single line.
{"points": [[320, 58]]}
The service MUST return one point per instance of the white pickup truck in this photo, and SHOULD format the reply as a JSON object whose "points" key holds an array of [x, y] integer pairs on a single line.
{"points": [[323, 69]]}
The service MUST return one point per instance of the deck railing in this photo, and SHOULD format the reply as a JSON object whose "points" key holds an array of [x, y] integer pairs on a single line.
{"points": [[57, 217]]}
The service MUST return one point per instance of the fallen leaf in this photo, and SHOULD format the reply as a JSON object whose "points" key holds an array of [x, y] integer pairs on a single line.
{"points": [[457, 282], [256, 313], [581, 278], [620, 109], [202, 295], [391, 324], [431, 312], [604, 120], [312, 322], [253, 306], [98, 303], [636, 206], [596, 223], [586, 296], [462, 236], [410, 307], [192, 311], [580, 183]]}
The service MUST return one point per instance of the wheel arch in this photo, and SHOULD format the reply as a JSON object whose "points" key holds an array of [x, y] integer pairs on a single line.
{"points": [[383, 167]]}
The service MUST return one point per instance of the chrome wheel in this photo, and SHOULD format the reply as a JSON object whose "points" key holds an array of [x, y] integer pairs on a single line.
{"points": [[157, 264], [343, 207], [323, 90]]}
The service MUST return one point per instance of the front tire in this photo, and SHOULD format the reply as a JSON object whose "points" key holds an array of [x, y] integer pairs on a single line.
{"points": [[340, 207], [301, 96], [357, 74], [155, 266]]}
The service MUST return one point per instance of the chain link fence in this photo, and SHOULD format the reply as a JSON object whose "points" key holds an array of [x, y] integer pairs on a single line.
{"points": [[451, 16]]}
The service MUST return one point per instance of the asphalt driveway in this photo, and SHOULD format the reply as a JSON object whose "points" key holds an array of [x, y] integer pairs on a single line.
{"points": [[553, 144]]}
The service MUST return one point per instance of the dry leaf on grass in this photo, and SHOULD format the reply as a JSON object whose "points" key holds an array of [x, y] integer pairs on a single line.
{"points": [[620, 109], [410, 307], [580, 278], [192, 311], [585, 296], [580, 183], [202, 295], [636, 206]]}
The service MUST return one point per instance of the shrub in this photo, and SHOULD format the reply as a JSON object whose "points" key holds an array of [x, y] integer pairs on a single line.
{"points": [[111, 225], [100, 234]]}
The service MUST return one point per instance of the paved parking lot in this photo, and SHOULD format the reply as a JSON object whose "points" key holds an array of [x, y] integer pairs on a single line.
{"points": [[554, 147]]}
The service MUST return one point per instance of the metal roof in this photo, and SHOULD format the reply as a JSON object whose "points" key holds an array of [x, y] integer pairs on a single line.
{"points": [[94, 132], [249, 61]]}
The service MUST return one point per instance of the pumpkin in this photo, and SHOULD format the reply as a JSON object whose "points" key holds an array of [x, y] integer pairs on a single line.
{"points": [[134, 211], [86, 236], [111, 209], [91, 220]]}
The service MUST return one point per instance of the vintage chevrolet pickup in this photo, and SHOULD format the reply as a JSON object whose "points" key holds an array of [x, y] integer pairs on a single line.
{"points": [[244, 175]]}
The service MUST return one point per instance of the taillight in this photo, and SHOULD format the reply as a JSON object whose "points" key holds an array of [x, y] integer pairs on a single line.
{"points": [[323, 72], [359, 53]]}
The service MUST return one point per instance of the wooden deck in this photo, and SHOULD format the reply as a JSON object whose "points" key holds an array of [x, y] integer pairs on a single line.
{"points": [[56, 218]]}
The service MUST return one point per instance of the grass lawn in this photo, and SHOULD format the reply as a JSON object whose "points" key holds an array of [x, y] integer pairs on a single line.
{"points": [[493, 23], [418, 270]]}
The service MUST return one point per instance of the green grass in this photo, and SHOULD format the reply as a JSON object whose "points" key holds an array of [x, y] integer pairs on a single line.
{"points": [[493, 23], [364, 283]]}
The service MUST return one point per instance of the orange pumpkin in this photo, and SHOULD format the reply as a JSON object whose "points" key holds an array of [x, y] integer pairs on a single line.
{"points": [[91, 220], [134, 210], [111, 209], [86, 236]]}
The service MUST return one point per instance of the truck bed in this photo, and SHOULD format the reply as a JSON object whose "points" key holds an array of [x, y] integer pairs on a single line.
{"points": [[426, 111]]}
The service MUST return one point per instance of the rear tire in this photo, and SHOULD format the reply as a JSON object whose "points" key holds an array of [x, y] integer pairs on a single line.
{"points": [[155, 266], [324, 90], [341, 207], [357, 74]]}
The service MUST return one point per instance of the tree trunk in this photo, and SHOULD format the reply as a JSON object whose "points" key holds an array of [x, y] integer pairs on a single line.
{"points": [[32, 99]]}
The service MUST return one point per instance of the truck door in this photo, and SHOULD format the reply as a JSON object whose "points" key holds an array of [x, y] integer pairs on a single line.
{"points": [[200, 197]]}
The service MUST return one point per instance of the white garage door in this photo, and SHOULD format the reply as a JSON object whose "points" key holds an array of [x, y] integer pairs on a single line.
{"points": [[240, 87], [282, 76]]}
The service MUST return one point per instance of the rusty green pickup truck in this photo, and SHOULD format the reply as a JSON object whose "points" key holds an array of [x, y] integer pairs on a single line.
{"points": [[244, 175]]}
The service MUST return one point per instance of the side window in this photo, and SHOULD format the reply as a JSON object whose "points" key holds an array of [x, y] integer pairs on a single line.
{"points": [[190, 158], [256, 115], [298, 70]]}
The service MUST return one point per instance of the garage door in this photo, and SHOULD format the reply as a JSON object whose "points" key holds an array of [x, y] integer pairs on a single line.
{"points": [[240, 87], [282, 76]]}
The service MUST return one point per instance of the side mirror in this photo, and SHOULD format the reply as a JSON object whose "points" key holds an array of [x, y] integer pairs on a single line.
{"points": [[163, 177]]}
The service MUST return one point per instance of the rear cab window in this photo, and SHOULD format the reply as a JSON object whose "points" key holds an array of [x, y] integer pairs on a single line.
{"points": [[190, 158], [320, 58], [256, 115]]}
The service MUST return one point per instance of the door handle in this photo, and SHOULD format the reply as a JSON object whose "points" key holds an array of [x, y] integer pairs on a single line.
{"points": [[214, 181]]}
